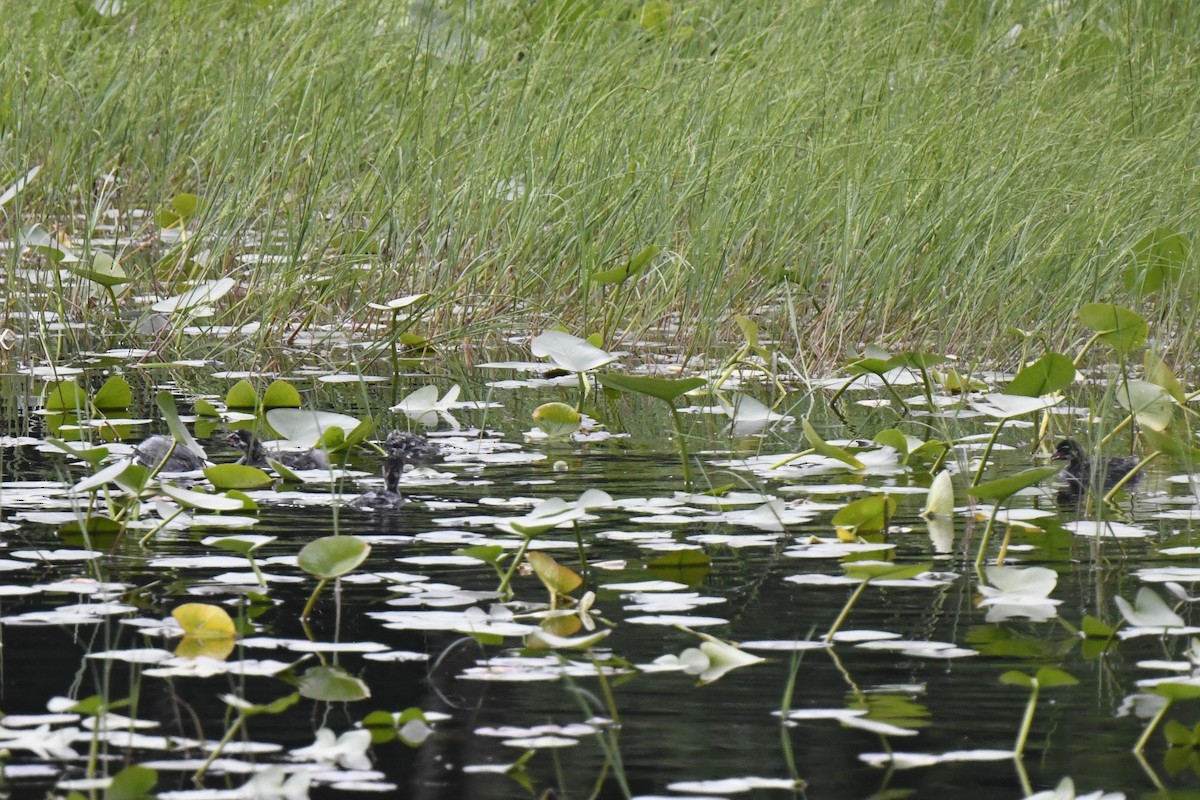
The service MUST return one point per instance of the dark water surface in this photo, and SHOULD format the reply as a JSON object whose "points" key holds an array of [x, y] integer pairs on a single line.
{"points": [[670, 729]]}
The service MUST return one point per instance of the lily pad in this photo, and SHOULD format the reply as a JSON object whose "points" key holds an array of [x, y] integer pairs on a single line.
{"points": [[333, 556]]}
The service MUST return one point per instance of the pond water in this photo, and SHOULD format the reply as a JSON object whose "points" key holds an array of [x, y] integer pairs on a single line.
{"points": [[648, 729]]}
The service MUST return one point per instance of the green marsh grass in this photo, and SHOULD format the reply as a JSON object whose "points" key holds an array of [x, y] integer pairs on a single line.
{"points": [[900, 174]]}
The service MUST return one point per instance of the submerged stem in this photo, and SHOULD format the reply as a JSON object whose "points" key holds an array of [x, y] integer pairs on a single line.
{"points": [[312, 600], [226, 739], [1150, 726]]}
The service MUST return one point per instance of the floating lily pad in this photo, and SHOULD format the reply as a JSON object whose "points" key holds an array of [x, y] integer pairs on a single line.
{"points": [[333, 556]]}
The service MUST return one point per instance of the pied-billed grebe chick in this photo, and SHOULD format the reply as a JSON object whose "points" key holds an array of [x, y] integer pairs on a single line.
{"points": [[1080, 468], [389, 496], [413, 448], [254, 455], [164, 451]]}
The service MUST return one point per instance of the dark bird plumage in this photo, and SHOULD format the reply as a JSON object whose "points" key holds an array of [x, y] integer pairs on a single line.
{"points": [[152, 451], [254, 455], [1080, 469], [415, 449], [389, 496]]}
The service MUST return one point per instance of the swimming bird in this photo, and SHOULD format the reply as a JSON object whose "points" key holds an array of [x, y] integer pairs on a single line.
{"points": [[414, 448], [1080, 469], [254, 455], [163, 450], [389, 496]]}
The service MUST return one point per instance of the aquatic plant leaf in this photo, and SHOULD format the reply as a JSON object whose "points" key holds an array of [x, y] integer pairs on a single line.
{"points": [[280, 394], [826, 449], [204, 621], [1001, 489], [201, 500], [248, 709], [92, 455], [1173, 442], [38, 239], [662, 388], [558, 420], [955, 383], [114, 394], [1179, 735], [1158, 258], [1095, 628], [940, 500], [201, 294], [1177, 690], [132, 783], [333, 556], [883, 570], [628, 270], [544, 640], [487, 553], [1149, 403], [1015, 677], [1120, 328], [569, 352], [398, 303], [100, 531], [357, 434], [1157, 372], [1148, 610], [102, 477], [1049, 677], [242, 397], [19, 185], [166, 404], [242, 545], [65, 396], [895, 439], [1051, 373], [183, 207], [866, 514], [203, 408], [557, 578], [1007, 406], [237, 476], [332, 685], [304, 427], [104, 270], [283, 471]]}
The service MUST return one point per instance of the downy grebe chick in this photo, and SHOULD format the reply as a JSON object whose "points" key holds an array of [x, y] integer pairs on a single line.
{"points": [[173, 457], [389, 496], [1080, 468], [254, 455], [413, 448]]}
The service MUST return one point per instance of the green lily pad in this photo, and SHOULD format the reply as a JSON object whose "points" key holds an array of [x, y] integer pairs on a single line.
{"points": [[1120, 328], [242, 397], [132, 783], [662, 388], [237, 476], [1003, 488], [1051, 373], [558, 420], [166, 404], [1158, 258], [65, 396], [104, 270], [281, 394], [628, 270], [866, 514], [1150, 404], [332, 685], [826, 449], [114, 394], [333, 556], [201, 500], [883, 570], [557, 578]]}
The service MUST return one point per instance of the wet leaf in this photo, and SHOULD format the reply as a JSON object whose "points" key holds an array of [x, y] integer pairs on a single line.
{"points": [[304, 427], [885, 570], [569, 352], [202, 500], [557, 578], [866, 514], [1149, 403], [237, 476], [333, 556], [132, 783], [662, 388], [1051, 373], [242, 397], [332, 685], [826, 449], [204, 621], [114, 394], [1120, 328], [281, 394], [65, 396], [558, 420], [1001, 489]]}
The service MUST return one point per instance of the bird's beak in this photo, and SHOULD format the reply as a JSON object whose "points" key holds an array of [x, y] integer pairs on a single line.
{"points": [[1059, 456]]}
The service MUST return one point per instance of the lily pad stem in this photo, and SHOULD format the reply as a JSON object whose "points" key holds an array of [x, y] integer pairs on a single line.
{"points": [[1026, 721], [987, 451], [507, 579], [987, 533], [837, 623], [683, 451], [1130, 475], [1150, 726], [312, 600], [154, 531], [226, 739]]}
